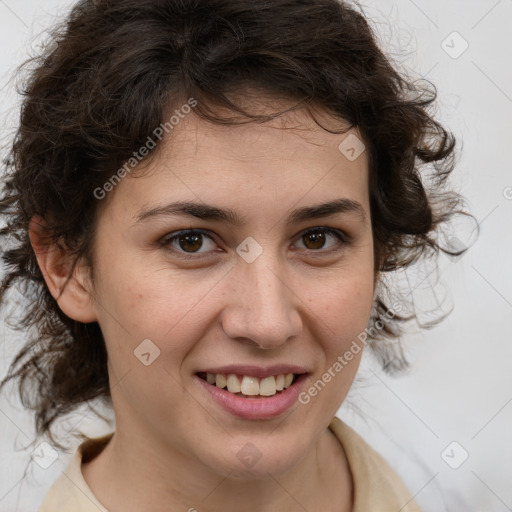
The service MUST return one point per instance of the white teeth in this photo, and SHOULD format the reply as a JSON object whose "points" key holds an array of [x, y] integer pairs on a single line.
{"points": [[268, 386], [250, 386], [233, 384], [220, 380]]}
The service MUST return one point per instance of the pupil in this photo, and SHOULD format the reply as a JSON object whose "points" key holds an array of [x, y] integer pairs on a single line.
{"points": [[196, 238], [318, 238]]}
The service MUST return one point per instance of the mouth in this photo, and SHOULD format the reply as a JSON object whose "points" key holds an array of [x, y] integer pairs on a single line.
{"points": [[248, 386]]}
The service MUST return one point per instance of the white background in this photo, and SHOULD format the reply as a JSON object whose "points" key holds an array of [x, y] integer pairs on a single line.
{"points": [[459, 387]]}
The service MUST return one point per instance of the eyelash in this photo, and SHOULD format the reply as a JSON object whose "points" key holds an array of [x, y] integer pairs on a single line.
{"points": [[168, 240]]}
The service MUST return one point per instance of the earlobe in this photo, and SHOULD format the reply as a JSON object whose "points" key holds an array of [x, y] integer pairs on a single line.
{"points": [[69, 286]]}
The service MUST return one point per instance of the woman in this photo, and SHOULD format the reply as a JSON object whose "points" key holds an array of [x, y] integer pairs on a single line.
{"points": [[204, 198]]}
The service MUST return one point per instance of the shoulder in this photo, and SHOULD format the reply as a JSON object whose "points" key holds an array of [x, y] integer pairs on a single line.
{"points": [[70, 491], [376, 484]]}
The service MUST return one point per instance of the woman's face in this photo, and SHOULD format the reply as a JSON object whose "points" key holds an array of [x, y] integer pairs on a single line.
{"points": [[255, 298]]}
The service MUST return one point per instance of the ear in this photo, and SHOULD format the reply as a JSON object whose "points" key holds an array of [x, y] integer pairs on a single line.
{"points": [[70, 287]]}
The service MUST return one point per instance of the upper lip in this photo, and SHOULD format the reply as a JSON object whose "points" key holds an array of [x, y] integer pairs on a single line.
{"points": [[256, 371]]}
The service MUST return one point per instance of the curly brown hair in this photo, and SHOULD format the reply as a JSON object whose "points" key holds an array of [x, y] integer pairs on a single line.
{"points": [[115, 69]]}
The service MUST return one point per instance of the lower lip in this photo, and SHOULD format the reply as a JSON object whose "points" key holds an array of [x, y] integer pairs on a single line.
{"points": [[255, 408]]}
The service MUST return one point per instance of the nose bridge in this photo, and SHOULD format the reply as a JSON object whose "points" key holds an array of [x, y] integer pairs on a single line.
{"points": [[262, 308], [265, 287]]}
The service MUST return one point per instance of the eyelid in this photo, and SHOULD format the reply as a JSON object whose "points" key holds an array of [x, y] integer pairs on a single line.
{"points": [[341, 235], [167, 240], [343, 238]]}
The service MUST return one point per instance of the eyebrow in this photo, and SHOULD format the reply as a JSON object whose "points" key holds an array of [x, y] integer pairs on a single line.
{"points": [[209, 212]]}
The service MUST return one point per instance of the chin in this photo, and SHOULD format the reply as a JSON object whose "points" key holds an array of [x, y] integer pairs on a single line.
{"points": [[248, 462]]}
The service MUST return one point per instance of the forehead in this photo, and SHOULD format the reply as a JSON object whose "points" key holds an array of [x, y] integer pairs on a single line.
{"points": [[287, 132], [277, 162]]}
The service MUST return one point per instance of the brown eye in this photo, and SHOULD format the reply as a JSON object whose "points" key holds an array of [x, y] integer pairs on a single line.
{"points": [[188, 242], [315, 239]]}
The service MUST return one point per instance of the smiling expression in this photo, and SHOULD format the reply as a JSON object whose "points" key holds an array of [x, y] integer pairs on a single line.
{"points": [[241, 252]]}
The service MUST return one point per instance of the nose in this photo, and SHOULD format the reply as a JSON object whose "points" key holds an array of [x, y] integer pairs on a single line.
{"points": [[263, 309]]}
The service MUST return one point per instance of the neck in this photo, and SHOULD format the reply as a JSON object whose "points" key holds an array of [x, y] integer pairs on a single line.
{"points": [[125, 474]]}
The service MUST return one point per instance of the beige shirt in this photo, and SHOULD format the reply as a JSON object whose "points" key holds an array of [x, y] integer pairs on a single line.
{"points": [[377, 488]]}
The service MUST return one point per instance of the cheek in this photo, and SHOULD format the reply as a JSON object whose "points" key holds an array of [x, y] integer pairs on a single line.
{"points": [[344, 310], [150, 321], [343, 300], [168, 307]]}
